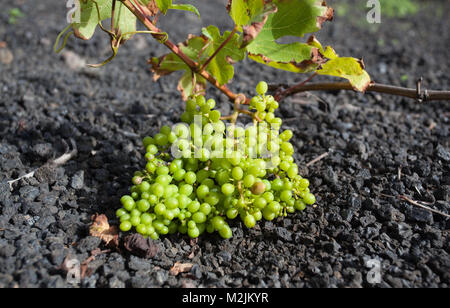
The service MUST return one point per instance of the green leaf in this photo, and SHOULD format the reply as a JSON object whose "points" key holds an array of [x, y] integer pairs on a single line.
{"points": [[165, 5], [243, 11], [89, 17], [348, 68], [124, 20], [185, 7], [220, 66], [189, 83], [293, 18]]}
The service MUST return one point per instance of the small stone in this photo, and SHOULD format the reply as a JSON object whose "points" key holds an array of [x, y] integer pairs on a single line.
{"points": [[419, 215], [43, 150], [442, 153], [284, 234], [89, 243], [29, 193], [6, 56], [77, 180]]}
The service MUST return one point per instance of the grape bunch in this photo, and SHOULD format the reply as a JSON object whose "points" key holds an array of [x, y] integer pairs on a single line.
{"points": [[202, 173]]}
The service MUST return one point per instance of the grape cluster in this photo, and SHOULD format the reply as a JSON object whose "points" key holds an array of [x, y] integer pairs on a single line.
{"points": [[201, 173]]}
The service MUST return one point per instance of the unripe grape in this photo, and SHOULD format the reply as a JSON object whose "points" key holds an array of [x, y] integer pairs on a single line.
{"points": [[262, 88]]}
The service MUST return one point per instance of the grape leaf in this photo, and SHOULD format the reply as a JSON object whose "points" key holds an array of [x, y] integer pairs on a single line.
{"points": [[89, 17], [124, 20], [189, 83], [243, 11], [292, 18], [200, 49], [165, 5], [348, 68], [250, 16], [220, 66]]}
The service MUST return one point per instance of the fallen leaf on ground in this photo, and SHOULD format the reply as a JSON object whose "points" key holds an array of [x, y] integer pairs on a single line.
{"points": [[101, 228], [140, 246], [179, 267]]}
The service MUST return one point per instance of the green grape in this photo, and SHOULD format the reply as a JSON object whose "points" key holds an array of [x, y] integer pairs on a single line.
{"points": [[135, 212], [237, 173], [186, 189], [202, 191], [268, 215], [154, 236], [190, 178], [149, 157], [303, 183], [249, 180], [232, 213], [128, 203], [273, 207], [260, 203], [292, 171], [222, 177], [262, 88], [300, 205], [163, 170], [193, 207], [171, 203], [125, 226], [147, 141], [226, 232], [157, 189], [146, 219], [125, 217], [120, 212], [150, 167], [160, 209], [192, 224], [152, 199], [211, 103], [179, 175], [205, 208], [193, 232], [214, 115], [309, 199], [286, 195], [135, 220], [227, 189], [142, 229], [152, 149], [249, 221], [258, 215], [161, 139], [143, 205], [163, 179], [277, 184]]}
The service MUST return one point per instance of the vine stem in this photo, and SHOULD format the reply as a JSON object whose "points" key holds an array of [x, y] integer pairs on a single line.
{"points": [[194, 66], [426, 95]]}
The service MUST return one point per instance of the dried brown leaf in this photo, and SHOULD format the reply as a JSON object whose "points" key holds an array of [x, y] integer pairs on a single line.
{"points": [[327, 16], [140, 246], [179, 267], [101, 228]]}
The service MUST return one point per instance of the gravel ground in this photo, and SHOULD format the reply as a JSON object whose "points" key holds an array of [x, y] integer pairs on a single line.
{"points": [[378, 146]]}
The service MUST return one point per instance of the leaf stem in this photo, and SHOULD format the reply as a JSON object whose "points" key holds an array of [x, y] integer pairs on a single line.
{"points": [[224, 43]]}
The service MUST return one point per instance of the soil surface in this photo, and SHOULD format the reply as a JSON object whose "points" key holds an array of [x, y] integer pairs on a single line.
{"points": [[379, 147]]}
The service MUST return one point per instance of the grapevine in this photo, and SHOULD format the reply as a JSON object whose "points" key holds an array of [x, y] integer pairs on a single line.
{"points": [[202, 173]]}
